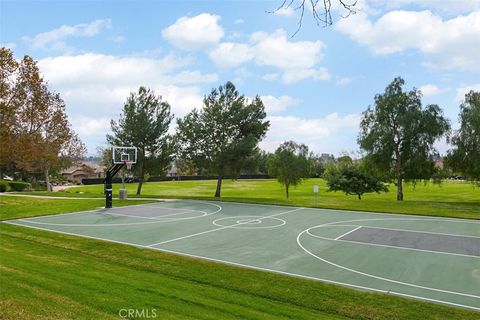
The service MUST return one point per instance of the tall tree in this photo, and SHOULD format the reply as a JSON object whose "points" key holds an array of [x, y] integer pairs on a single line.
{"points": [[9, 101], [34, 121], [465, 155], [261, 161], [398, 134], [290, 164], [144, 124], [223, 135]]}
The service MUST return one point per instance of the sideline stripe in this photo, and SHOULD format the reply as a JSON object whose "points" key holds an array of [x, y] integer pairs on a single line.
{"points": [[256, 268], [347, 233]]}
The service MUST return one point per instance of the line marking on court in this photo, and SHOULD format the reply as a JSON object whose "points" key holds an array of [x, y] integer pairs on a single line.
{"points": [[218, 229], [387, 292], [347, 233]]}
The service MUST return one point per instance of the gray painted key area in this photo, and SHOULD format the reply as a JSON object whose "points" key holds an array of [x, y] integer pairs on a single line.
{"points": [[416, 240]]}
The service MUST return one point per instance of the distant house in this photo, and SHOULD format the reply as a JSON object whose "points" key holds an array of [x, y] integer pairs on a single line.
{"points": [[439, 163], [83, 170], [172, 171], [327, 157]]}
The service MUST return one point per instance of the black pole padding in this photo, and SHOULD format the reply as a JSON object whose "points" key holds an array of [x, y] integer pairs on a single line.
{"points": [[111, 172]]}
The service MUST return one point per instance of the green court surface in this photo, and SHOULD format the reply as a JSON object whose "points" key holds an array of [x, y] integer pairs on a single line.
{"points": [[428, 258]]}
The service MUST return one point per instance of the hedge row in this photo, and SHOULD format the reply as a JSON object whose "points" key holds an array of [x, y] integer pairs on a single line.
{"points": [[90, 181], [6, 186]]}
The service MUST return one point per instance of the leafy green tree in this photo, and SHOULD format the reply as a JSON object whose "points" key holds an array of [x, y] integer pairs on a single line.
{"points": [[35, 133], [223, 135], [319, 165], [345, 161], [352, 181], [290, 164], [185, 167], [257, 163], [144, 124], [398, 134], [465, 156]]}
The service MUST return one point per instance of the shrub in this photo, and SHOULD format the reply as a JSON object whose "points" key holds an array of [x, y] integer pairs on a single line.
{"points": [[19, 185], [4, 187], [39, 186]]}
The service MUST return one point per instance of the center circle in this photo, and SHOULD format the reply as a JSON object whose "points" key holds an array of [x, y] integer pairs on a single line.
{"points": [[249, 222]]}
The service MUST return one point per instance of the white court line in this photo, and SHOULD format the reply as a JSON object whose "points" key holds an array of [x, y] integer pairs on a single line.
{"points": [[255, 267], [347, 233], [218, 229]]}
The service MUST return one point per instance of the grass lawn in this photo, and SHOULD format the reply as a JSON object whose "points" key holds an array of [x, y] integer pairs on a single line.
{"points": [[450, 199], [46, 275]]}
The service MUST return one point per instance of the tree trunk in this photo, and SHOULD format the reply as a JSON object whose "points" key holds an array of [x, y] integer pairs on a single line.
{"points": [[399, 188], [219, 187], [140, 179], [398, 172], [47, 180], [286, 189]]}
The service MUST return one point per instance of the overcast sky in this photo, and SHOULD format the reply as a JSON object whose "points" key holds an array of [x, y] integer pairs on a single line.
{"points": [[314, 85]]}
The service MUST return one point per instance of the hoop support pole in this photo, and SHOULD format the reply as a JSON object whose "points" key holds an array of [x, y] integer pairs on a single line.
{"points": [[111, 172]]}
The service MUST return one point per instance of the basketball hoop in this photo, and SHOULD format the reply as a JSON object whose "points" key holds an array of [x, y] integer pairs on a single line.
{"points": [[128, 164]]}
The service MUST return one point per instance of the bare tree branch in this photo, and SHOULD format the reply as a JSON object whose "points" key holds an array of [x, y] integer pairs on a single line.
{"points": [[321, 10]]}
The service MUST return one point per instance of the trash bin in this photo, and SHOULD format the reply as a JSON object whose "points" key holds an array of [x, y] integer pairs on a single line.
{"points": [[123, 194]]}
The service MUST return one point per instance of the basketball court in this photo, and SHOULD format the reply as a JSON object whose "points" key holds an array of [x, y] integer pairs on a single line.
{"points": [[428, 258]]}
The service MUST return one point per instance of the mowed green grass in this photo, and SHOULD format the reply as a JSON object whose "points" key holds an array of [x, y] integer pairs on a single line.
{"points": [[47, 275], [456, 199]]}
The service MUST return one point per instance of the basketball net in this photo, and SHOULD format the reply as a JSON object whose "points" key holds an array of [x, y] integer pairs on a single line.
{"points": [[128, 164]]}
